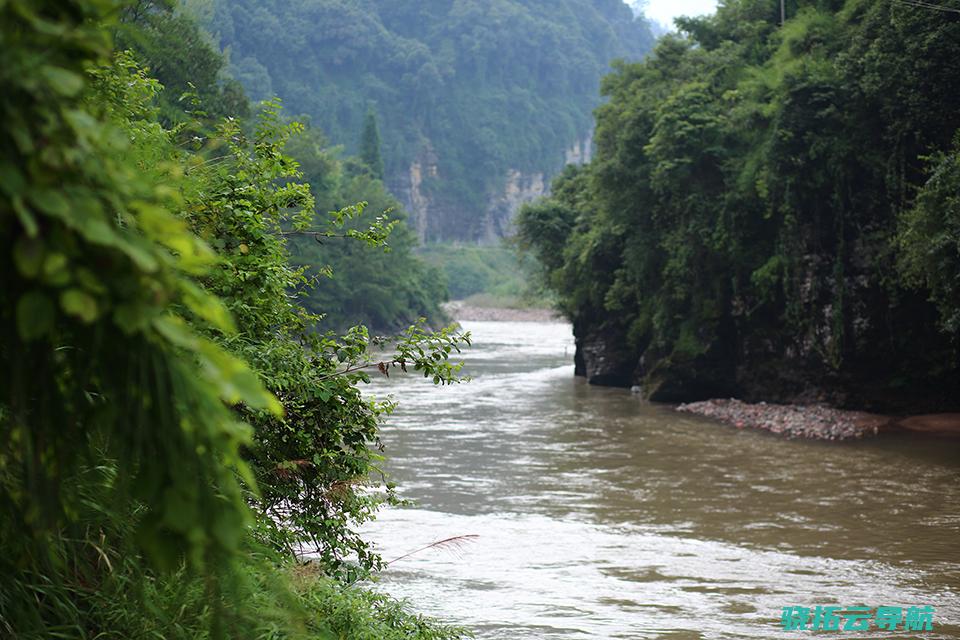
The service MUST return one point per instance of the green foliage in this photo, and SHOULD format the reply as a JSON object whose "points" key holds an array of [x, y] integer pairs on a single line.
{"points": [[743, 203], [479, 86], [165, 408], [181, 56], [383, 285], [384, 292], [494, 273], [313, 463], [95, 256], [930, 238], [113, 596], [359, 614], [370, 145]]}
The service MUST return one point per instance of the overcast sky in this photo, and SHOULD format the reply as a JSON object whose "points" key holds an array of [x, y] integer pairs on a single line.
{"points": [[664, 11]]}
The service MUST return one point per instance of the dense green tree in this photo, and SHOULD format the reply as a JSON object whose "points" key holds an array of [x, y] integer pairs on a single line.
{"points": [[738, 225], [181, 55], [370, 145], [384, 290], [930, 238], [387, 293]]}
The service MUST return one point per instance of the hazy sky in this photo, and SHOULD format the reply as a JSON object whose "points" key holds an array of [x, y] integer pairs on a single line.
{"points": [[664, 11]]}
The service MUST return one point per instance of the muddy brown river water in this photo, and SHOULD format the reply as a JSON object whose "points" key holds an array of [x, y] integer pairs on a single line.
{"points": [[601, 516]]}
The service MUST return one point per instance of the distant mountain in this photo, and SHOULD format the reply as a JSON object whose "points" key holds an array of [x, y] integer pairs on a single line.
{"points": [[479, 102]]}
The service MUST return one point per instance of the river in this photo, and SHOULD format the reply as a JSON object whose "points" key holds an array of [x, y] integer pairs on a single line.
{"points": [[600, 516]]}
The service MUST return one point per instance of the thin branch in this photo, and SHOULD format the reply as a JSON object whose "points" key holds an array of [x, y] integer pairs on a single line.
{"points": [[922, 4], [356, 368], [456, 542], [315, 234]]}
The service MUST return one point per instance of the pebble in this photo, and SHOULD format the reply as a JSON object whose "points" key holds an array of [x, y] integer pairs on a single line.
{"points": [[817, 422]]}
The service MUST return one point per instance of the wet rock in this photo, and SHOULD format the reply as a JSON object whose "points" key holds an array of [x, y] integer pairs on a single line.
{"points": [[817, 422], [605, 360]]}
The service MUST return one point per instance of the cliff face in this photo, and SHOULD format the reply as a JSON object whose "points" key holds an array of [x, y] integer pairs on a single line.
{"points": [[863, 356], [518, 189], [581, 151], [435, 216], [410, 189]]}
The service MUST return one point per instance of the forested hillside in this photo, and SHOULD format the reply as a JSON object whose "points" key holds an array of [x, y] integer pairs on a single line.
{"points": [[772, 211], [478, 103]]}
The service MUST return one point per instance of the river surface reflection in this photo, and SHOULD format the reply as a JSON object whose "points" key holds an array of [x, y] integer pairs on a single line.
{"points": [[601, 516]]}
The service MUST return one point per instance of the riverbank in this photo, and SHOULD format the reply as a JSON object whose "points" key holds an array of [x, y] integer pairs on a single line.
{"points": [[819, 422], [461, 310]]}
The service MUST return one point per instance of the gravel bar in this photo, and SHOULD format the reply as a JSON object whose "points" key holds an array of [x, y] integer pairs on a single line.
{"points": [[816, 422]]}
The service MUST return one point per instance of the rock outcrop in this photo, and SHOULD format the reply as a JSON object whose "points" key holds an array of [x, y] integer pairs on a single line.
{"points": [[435, 217], [519, 188], [851, 363], [600, 354]]}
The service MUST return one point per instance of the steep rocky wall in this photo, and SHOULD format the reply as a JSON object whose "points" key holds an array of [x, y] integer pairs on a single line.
{"points": [[853, 363], [434, 218], [518, 189], [581, 151]]}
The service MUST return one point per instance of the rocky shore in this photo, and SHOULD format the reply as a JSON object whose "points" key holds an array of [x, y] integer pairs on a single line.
{"points": [[820, 422], [793, 421]]}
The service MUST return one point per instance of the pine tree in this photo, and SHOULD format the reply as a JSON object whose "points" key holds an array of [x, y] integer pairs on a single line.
{"points": [[370, 145]]}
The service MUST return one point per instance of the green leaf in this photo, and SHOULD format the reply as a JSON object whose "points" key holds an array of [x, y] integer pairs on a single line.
{"points": [[89, 281], [27, 219], [28, 255], [56, 269], [79, 303], [208, 307], [228, 526], [97, 230], [81, 121], [51, 201], [35, 314], [140, 255], [176, 331], [11, 180], [66, 83], [236, 381]]}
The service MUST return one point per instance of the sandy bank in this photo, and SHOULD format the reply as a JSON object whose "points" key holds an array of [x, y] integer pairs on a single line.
{"points": [[934, 424]]}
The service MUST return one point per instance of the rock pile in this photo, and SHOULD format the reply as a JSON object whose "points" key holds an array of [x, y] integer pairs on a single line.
{"points": [[793, 421]]}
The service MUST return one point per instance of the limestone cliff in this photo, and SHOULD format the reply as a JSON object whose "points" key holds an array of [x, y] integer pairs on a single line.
{"points": [[581, 151], [503, 206], [435, 216]]}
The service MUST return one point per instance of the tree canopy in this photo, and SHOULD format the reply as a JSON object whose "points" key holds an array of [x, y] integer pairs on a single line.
{"points": [[771, 209]]}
